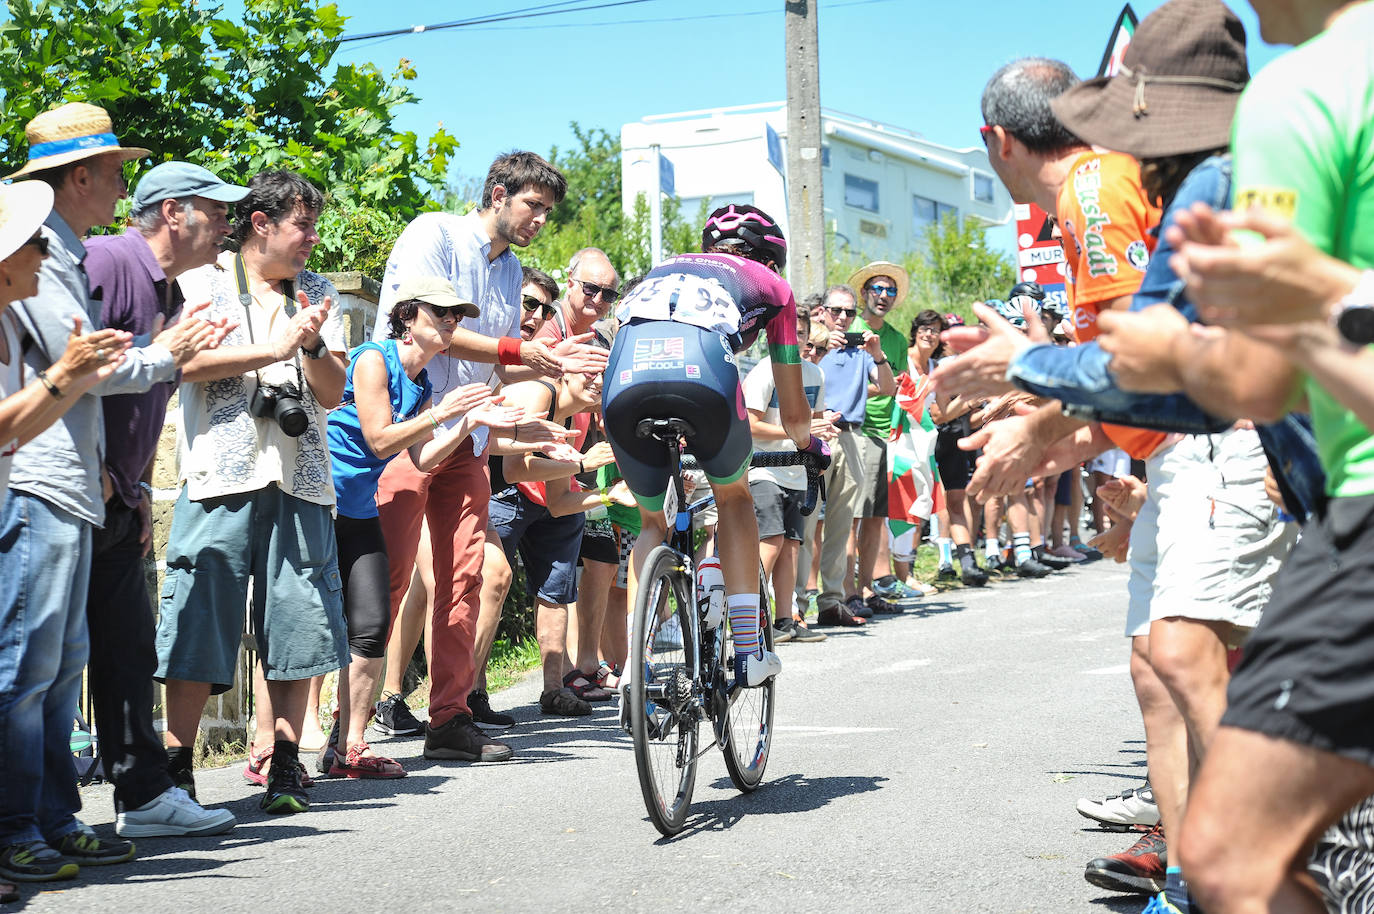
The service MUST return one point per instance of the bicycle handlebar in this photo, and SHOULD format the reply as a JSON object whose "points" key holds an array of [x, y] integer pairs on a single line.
{"points": [[815, 465]]}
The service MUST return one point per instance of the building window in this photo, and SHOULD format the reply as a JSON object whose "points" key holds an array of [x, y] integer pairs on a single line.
{"points": [[926, 212], [982, 187], [861, 193]]}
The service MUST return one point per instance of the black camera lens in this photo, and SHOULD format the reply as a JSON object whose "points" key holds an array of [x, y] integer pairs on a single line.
{"points": [[290, 415]]}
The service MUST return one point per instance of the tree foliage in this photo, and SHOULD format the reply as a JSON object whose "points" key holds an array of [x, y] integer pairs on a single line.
{"points": [[238, 97]]}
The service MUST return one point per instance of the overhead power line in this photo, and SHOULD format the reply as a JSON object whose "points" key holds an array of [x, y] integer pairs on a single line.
{"points": [[531, 12]]}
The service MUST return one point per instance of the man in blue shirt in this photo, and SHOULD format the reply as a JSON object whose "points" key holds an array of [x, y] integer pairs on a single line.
{"points": [[848, 370]]}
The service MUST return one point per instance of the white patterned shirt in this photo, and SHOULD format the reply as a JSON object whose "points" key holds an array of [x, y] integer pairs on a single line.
{"points": [[222, 449], [456, 248]]}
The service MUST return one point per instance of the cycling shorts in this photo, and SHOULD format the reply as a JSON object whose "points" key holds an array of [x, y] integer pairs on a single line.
{"points": [[669, 370]]}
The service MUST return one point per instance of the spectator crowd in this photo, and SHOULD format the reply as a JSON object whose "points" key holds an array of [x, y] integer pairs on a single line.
{"points": [[1202, 399]]}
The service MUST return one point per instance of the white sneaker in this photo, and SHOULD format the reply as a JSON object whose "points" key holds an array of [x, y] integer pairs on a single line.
{"points": [[755, 669], [1132, 807], [173, 812]]}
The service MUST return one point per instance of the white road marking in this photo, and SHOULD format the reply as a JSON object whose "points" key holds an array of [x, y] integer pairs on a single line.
{"points": [[1109, 670], [902, 666], [786, 729]]}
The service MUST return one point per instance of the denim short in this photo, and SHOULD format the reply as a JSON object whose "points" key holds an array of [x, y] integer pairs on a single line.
{"points": [[286, 547], [548, 545]]}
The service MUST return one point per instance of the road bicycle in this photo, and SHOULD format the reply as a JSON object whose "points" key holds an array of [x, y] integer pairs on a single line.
{"points": [[682, 661]]}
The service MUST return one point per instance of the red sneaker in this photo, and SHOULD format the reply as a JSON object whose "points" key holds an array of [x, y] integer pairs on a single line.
{"points": [[1138, 870]]}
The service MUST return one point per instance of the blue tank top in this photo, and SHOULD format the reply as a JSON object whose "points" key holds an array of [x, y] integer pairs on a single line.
{"points": [[356, 469]]}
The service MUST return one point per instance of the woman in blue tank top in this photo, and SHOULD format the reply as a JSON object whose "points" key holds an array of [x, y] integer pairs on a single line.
{"points": [[386, 408]]}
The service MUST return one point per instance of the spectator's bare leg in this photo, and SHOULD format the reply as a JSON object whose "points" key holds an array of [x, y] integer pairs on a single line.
{"points": [[496, 580], [593, 595], [184, 703]]}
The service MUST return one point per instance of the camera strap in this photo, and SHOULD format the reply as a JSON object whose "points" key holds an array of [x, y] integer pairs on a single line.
{"points": [[246, 301]]}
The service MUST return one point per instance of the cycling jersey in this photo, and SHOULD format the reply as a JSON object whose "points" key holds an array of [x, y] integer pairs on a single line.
{"points": [[733, 296]]}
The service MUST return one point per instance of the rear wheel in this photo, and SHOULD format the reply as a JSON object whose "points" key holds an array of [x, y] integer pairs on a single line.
{"points": [[749, 723], [663, 717]]}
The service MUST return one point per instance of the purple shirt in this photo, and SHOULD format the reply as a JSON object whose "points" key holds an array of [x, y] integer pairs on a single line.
{"points": [[132, 289]]}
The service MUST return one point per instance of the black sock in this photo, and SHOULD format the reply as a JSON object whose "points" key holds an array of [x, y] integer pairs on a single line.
{"points": [[179, 758], [285, 754]]}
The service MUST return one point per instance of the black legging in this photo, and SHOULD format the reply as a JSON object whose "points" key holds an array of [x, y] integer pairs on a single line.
{"points": [[366, 582]]}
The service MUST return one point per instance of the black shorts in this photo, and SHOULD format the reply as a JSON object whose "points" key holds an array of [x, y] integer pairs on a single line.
{"points": [[779, 510], [1308, 670], [667, 370], [954, 463]]}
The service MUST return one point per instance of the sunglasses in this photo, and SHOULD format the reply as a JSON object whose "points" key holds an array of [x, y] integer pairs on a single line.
{"points": [[592, 290], [530, 303], [883, 291], [38, 241], [842, 312], [441, 312], [985, 132]]}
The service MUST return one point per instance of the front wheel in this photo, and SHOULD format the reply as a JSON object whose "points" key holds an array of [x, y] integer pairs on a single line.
{"points": [[663, 717], [749, 721]]}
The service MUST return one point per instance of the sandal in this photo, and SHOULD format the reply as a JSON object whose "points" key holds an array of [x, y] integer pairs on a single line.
{"points": [[584, 688], [563, 703], [255, 772], [358, 765], [608, 677]]}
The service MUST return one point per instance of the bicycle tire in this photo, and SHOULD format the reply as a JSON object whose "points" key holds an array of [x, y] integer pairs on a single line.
{"points": [[665, 740], [749, 726]]}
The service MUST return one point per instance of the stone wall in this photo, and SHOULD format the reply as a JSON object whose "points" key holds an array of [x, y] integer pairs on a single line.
{"points": [[226, 716]]}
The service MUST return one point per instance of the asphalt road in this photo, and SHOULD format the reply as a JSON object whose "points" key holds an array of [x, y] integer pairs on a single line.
{"points": [[929, 762]]}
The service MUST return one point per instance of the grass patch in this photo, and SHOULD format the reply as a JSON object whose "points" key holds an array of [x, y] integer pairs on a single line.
{"points": [[510, 661], [217, 756]]}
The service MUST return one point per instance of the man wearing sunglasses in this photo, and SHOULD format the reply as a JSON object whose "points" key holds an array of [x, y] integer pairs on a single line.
{"points": [[591, 290]]}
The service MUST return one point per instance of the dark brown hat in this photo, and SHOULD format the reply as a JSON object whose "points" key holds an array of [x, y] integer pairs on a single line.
{"points": [[1180, 79]]}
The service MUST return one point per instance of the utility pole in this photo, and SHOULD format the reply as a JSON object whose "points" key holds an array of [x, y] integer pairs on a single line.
{"points": [[805, 206]]}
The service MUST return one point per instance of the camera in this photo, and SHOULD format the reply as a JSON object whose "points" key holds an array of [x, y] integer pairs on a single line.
{"points": [[853, 340], [281, 403]]}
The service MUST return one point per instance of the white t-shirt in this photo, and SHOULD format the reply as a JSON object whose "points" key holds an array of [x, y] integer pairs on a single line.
{"points": [[222, 448], [11, 381], [760, 393]]}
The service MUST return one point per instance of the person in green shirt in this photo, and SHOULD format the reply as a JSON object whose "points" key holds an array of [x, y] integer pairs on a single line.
{"points": [[882, 286]]}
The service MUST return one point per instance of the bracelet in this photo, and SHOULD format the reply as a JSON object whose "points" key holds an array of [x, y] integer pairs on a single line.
{"points": [[47, 382], [605, 499], [880, 364], [508, 350], [146, 488], [430, 414]]}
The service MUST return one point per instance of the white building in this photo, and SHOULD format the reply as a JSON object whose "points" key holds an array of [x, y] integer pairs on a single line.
{"points": [[882, 184]]}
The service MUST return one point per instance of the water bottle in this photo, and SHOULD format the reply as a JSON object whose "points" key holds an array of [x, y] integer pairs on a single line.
{"points": [[710, 593]]}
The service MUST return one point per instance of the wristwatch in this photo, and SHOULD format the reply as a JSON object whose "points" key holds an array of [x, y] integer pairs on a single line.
{"points": [[318, 352], [1353, 315]]}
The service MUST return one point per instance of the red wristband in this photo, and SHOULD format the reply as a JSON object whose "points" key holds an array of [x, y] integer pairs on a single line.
{"points": [[508, 350]]}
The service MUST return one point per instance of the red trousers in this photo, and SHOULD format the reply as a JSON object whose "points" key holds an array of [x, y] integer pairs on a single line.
{"points": [[454, 499]]}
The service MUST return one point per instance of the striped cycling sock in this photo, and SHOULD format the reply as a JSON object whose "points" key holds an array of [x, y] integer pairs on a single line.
{"points": [[743, 609], [1020, 545]]}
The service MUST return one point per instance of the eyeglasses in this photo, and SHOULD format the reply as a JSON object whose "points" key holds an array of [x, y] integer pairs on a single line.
{"points": [[442, 312], [928, 331], [883, 291], [530, 303], [592, 290], [985, 132], [38, 241], [842, 312]]}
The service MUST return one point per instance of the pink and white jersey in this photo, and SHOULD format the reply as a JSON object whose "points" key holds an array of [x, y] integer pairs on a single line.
{"points": [[730, 295]]}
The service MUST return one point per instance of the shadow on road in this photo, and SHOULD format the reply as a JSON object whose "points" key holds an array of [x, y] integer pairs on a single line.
{"points": [[790, 794]]}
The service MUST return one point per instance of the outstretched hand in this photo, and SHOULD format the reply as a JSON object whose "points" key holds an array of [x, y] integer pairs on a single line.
{"points": [[987, 353]]}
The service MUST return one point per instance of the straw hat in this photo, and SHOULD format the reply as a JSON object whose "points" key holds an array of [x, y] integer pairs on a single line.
{"points": [[1180, 79], [70, 133], [882, 268], [23, 207]]}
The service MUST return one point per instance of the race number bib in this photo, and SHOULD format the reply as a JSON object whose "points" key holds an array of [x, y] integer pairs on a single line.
{"points": [[701, 301]]}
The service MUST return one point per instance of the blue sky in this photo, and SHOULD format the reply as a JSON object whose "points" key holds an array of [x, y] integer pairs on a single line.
{"points": [[913, 63]]}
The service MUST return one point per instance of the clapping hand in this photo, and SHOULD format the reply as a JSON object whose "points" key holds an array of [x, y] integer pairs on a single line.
{"points": [[191, 333], [92, 357]]}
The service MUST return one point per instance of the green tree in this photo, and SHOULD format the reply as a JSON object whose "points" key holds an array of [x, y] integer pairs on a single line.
{"points": [[182, 79]]}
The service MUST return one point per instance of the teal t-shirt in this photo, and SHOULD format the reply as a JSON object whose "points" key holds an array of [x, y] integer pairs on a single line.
{"points": [[1304, 150], [878, 412]]}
